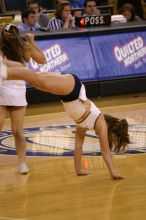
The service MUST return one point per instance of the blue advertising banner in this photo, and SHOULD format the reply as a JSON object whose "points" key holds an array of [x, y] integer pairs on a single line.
{"points": [[99, 57], [119, 55], [69, 55]]}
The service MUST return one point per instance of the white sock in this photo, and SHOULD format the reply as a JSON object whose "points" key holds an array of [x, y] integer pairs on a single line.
{"points": [[23, 168]]}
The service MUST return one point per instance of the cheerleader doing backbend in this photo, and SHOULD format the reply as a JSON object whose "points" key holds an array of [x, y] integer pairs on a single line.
{"points": [[112, 132]]}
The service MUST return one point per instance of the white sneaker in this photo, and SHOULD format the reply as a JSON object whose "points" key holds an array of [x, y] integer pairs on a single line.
{"points": [[3, 70], [23, 168]]}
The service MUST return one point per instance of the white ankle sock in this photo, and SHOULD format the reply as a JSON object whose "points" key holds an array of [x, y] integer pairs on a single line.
{"points": [[23, 168]]}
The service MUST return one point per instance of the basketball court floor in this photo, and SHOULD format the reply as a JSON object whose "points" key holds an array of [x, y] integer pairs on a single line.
{"points": [[51, 190]]}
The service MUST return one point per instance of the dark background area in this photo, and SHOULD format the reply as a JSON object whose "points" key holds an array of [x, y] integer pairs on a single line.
{"points": [[21, 4]]}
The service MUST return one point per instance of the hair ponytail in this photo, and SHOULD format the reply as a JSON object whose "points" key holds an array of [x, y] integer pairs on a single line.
{"points": [[117, 132]]}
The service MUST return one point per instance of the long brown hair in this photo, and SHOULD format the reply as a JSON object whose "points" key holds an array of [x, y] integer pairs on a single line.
{"points": [[117, 132], [11, 44], [60, 7], [130, 8]]}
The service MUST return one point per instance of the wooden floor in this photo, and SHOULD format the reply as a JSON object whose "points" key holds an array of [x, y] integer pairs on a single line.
{"points": [[52, 191]]}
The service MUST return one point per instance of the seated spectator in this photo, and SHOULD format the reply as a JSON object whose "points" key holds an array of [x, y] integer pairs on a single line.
{"points": [[136, 3], [63, 18], [128, 11], [90, 8], [75, 4], [29, 21], [42, 18]]}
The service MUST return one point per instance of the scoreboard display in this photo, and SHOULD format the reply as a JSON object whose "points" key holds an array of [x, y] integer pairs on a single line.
{"points": [[93, 21]]}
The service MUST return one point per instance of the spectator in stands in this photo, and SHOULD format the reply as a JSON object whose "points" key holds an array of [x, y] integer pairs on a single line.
{"points": [[42, 18], [128, 11], [63, 18], [75, 4], [29, 21], [136, 3], [90, 8]]}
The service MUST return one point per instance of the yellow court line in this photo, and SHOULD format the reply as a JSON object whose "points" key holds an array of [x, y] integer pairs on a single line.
{"points": [[123, 106], [103, 108], [110, 107], [8, 218], [43, 115], [48, 114]]}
